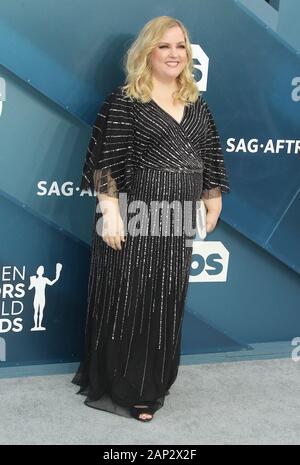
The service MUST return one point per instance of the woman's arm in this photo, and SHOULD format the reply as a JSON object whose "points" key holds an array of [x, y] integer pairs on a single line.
{"points": [[113, 227], [215, 176], [214, 208], [108, 167]]}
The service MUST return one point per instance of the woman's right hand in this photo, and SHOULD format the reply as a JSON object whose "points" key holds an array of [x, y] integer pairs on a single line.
{"points": [[113, 229]]}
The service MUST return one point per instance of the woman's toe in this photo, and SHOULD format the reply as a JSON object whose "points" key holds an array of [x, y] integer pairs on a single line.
{"points": [[145, 416]]}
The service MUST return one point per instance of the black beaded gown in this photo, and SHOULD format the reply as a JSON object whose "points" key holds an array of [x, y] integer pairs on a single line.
{"points": [[136, 295]]}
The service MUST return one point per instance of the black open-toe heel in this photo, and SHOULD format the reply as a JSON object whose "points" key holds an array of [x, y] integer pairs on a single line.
{"points": [[137, 411]]}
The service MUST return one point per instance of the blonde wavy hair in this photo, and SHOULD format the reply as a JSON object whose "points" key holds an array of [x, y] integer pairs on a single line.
{"points": [[137, 63]]}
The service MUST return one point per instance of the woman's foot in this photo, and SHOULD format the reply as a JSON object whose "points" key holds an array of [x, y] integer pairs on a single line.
{"points": [[144, 416], [137, 413]]}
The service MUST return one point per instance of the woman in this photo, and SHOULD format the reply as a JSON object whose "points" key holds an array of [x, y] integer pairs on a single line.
{"points": [[153, 140]]}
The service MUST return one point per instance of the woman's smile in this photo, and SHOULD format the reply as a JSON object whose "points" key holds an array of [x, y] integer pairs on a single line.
{"points": [[172, 64]]}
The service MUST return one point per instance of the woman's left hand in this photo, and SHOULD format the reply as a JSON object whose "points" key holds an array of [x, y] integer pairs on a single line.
{"points": [[211, 220]]}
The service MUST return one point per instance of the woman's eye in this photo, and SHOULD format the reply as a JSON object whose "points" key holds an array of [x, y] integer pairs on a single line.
{"points": [[164, 46]]}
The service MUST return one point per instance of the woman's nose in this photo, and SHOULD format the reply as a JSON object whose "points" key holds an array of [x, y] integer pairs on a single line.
{"points": [[173, 54]]}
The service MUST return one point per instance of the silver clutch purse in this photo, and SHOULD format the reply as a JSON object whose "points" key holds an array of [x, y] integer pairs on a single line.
{"points": [[201, 220]]}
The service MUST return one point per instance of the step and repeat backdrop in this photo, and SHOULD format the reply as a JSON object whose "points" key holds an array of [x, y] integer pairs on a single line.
{"points": [[58, 60]]}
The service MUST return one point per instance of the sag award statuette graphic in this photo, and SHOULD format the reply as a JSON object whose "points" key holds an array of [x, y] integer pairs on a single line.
{"points": [[39, 282]]}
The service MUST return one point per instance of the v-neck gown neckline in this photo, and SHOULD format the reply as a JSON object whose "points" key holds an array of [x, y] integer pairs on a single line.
{"points": [[168, 114]]}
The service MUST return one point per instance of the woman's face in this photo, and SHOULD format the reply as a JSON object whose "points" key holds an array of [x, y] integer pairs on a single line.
{"points": [[169, 57]]}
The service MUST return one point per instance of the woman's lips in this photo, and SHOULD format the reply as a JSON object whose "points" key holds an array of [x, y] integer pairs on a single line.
{"points": [[172, 64]]}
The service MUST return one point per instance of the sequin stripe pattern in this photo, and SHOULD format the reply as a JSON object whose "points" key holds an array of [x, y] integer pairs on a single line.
{"points": [[142, 287], [164, 144], [109, 166], [215, 179], [95, 144], [197, 143], [136, 295]]}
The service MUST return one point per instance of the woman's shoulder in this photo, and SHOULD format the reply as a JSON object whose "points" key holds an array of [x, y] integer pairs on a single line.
{"points": [[202, 105], [118, 100], [118, 94], [117, 105], [196, 104], [200, 100]]}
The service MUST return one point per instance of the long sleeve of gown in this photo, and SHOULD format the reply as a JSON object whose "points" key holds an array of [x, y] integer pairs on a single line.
{"points": [[215, 176], [108, 165]]}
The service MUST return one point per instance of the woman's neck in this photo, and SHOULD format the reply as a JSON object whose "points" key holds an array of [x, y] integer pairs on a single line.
{"points": [[163, 88]]}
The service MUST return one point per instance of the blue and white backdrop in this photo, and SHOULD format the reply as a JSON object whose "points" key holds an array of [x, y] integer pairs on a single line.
{"points": [[58, 60]]}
